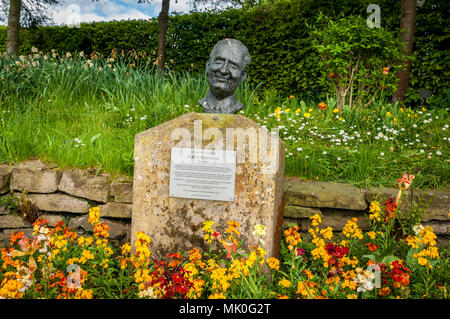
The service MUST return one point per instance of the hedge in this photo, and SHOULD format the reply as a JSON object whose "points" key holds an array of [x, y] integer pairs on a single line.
{"points": [[277, 35]]}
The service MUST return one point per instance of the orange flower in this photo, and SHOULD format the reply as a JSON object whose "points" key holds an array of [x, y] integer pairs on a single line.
{"points": [[405, 181], [384, 291], [101, 230], [332, 75], [385, 71], [372, 247], [15, 236]]}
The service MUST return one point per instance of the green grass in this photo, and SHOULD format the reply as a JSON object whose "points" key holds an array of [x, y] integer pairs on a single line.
{"points": [[68, 111]]}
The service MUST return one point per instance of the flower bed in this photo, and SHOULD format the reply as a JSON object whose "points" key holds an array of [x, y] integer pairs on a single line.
{"points": [[390, 260]]}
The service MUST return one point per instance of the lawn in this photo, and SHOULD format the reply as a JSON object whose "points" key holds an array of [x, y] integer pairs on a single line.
{"points": [[80, 111]]}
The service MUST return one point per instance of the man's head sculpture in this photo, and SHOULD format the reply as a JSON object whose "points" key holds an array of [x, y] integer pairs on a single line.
{"points": [[226, 68]]}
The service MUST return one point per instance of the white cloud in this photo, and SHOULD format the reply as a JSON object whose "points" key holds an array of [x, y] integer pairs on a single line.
{"points": [[75, 11]]}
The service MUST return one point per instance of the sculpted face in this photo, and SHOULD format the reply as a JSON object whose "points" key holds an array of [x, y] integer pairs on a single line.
{"points": [[225, 70]]}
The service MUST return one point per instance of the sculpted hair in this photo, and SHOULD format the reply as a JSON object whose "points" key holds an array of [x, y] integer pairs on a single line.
{"points": [[245, 54]]}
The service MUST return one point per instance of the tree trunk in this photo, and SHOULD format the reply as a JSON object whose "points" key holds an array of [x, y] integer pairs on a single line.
{"points": [[163, 19], [12, 37], [407, 24]]}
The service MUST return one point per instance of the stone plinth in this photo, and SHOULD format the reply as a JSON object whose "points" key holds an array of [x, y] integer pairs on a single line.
{"points": [[175, 224]]}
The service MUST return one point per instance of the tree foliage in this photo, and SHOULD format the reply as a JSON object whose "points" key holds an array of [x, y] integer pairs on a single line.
{"points": [[278, 37]]}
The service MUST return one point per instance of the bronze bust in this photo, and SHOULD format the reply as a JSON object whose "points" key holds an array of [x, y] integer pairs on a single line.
{"points": [[226, 68]]}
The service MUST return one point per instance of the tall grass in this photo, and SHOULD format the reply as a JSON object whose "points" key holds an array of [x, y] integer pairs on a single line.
{"points": [[80, 112]]}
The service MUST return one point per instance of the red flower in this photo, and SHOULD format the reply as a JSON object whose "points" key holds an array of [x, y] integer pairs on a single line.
{"points": [[332, 75], [336, 250], [372, 247], [405, 181], [385, 71], [390, 208], [322, 106], [299, 252]]}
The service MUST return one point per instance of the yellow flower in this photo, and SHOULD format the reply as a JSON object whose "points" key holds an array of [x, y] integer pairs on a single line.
{"points": [[277, 112], [251, 259], [412, 241], [287, 110], [327, 233], [372, 234], [273, 263], [217, 295], [94, 215], [306, 115], [126, 249], [259, 230], [284, 283], [352, 230], [388, 114], [335, 110], [304, 290], [232, 228], [297, 111], [315, 220]]}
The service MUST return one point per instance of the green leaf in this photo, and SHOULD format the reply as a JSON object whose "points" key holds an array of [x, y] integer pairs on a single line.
{"points": [[389, 259], [371, 257]]}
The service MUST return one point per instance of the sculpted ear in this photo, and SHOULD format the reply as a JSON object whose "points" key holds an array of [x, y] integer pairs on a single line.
{"points": [[243, 77]]}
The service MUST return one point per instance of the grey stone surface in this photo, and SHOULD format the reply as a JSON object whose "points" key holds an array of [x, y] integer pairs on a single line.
{"points": [[34, 181], [95, 188], [59, 203], [5, 174], [293, 211], [226, 69], [52, 219], [439, 227], [116, 210], [117, 230], [13, 221], [3, 210], [5, 234], [34, 165], [121, 192]]}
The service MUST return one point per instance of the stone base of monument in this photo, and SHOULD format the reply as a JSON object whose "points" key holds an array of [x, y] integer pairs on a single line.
{"points": [[200, 167]]}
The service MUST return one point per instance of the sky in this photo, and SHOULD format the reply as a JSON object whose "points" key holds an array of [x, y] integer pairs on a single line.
{"points": [[77, 11]]}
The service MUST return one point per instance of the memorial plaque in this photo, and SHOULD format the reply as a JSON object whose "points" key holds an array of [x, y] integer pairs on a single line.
{"points": [[202, 174]]}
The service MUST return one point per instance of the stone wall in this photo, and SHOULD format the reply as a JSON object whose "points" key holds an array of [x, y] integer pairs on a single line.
{"points": [[67, 195]]}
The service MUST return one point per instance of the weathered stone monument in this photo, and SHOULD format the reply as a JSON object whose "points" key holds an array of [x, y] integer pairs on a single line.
{"points": [[201, 167]]}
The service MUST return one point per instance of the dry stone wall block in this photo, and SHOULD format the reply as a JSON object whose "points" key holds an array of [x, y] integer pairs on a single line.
{"points": [[59, 203], [325, 194], [95, 188], [34, 181]]}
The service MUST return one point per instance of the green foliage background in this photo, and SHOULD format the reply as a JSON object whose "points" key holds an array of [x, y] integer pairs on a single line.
{"points": [[277, 36]]}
